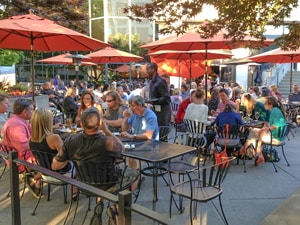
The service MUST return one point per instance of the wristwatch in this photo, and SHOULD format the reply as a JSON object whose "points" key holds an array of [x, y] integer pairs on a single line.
{"points": [[134, 137]]}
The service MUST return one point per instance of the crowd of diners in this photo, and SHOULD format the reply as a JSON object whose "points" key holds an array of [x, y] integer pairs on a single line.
{"points": [[135, 113]]}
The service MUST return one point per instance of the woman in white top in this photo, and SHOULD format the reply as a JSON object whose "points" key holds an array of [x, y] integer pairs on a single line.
{"points": [[197, 110]]}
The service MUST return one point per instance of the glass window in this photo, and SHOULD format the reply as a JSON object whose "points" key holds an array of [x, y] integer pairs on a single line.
{"points": [[115, 7], [98, 29], [97, 8]]}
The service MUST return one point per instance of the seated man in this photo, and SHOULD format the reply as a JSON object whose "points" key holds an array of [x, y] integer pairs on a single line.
{"points": [[93, 144], [47, 90], [295, 95], [142, 121]]}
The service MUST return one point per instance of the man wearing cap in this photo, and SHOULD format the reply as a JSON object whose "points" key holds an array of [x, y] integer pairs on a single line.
{"points": [[159, 90]]}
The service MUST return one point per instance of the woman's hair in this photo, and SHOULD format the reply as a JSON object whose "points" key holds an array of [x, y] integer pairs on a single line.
{"points": [[176, 91], [224, 90], [273, 101], [235, 92], [116, 96], [229, 108], [273, 87], [250, 101], [199, 93], [82, 107], [42, 124], [214, 93], [70, 91]]}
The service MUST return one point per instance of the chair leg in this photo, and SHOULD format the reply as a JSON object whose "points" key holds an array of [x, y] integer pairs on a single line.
{"points": [[191, 211], [283, 153], [48, 192], [65, 190], [221, 206], [3, 171], [38, 201], [274, 166], [75, 210], [70, 207]]}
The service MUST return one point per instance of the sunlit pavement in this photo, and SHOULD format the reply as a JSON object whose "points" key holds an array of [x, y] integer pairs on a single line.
{"points": [[248, 198]]}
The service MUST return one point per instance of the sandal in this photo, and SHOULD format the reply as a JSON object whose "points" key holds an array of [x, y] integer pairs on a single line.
{"points": [[112, 213], [31, 185]]}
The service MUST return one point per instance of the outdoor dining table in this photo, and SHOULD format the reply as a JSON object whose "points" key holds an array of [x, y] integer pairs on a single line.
{"points": [[254, 123], [156, 152]]}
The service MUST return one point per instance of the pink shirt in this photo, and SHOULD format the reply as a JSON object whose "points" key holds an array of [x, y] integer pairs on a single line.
{"points": [[16, 133]]}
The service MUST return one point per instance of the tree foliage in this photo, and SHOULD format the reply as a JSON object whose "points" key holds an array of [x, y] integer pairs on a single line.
{"points": [[9, 57], [121, 41], [238, 17], [68, 13]]}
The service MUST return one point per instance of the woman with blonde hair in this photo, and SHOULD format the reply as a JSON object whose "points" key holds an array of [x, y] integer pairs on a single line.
{"points": [[69, 105], [42, 137], [86, 101], [274, 92], [249, 106]]}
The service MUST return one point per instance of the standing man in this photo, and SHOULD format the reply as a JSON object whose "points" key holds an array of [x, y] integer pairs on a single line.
{"points": [[159, 90]]}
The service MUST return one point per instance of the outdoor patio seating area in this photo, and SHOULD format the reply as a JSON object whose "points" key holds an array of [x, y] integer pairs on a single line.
{"points": [[255, 197]]}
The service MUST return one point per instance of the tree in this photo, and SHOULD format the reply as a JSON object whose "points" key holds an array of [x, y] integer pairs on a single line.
{"points": [[238, 17], [68, 13], [8, 57], [121, 41]]}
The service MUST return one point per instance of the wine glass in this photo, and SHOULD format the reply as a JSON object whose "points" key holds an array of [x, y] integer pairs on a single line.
{"points": [[256, 115]]}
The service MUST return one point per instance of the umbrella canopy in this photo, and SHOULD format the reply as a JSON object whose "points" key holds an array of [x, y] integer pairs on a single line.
{"points": [[112, 55], [64, 59], [34, 33], [190, 55], [193, 55], [180, 68], [279, 56], [193, 41]]}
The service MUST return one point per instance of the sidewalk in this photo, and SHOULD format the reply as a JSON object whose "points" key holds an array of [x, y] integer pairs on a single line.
{"points": [[248, 198]]}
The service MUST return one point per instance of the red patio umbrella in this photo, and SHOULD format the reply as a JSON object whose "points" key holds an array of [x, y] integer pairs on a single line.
{"points": [[190, 55], [64, 59], [34, 33], [193, 41], [279, 55], [112, 55], [180, 68]]}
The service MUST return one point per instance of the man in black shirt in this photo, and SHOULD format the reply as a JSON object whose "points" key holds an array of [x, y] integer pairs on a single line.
{"points": [[159, 90]]}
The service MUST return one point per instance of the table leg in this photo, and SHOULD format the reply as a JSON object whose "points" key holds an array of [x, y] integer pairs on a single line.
{"points": [[154, 186]]}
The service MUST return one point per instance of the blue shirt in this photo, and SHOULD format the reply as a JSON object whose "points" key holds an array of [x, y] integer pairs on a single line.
{"points": [[231, 118], [140, 124]]}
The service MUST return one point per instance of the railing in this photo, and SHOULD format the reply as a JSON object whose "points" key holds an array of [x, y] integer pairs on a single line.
{"points": [[124, 199]]}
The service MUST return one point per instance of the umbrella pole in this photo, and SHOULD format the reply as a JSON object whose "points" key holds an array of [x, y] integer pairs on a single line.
{"points": [[179, 64], [190, 70], [32, 68], [291, 74], [206, 73]]}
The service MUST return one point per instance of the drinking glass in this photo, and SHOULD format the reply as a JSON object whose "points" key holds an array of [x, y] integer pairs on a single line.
{"points": [[68, 123], [257, 115], [74, 128]]}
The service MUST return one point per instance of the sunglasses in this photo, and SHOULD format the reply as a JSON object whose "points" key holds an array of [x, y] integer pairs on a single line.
{"points": [[109, 101]]}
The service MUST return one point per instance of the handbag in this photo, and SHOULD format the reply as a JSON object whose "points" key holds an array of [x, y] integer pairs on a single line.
{"points": [[219, 156]]}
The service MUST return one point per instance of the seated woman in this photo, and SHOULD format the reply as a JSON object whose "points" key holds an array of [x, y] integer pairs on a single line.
{"points": [[69, 105], [197, 110], [229, 116], [42, 136], [260, 135], [86, 101], [250, 106]]}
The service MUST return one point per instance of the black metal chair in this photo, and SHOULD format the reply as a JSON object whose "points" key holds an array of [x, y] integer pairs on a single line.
{"points": [[203, 185], [229, 137], [196, 127], [282, 135], [105, 175], [180, 167], [6, 149], [44, 159]]}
